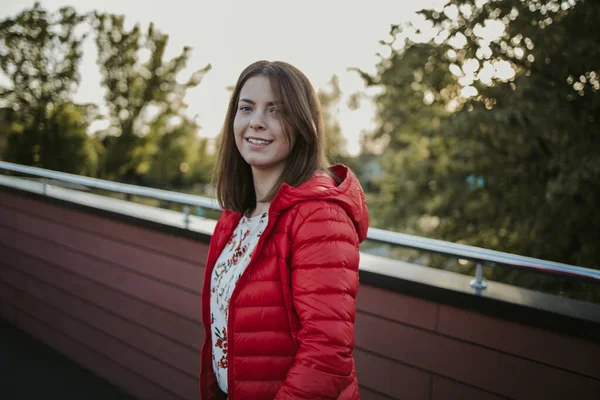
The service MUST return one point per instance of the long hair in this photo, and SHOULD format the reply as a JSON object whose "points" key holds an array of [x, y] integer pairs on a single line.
{"points": [[301, 114]]}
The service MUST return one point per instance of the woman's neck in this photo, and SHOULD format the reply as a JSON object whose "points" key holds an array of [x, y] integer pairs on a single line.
{"points": [[264, 180]]}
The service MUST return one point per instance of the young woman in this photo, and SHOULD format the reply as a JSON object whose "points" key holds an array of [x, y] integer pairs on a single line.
{"points": [[281, 279]]}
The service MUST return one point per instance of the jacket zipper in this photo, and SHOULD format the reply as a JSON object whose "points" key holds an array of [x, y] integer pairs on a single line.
{"points": [[234, 294]]}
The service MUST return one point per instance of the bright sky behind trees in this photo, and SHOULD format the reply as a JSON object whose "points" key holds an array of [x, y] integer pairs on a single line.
{"points": [[320, 37]]}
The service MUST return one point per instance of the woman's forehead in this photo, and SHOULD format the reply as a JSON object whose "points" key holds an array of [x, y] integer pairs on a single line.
{"points": [[257, 89]]}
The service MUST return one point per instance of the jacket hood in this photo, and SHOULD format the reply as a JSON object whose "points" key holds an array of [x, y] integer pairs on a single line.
{"points": [[348, 193]]}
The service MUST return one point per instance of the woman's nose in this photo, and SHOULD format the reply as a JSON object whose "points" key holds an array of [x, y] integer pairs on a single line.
{"points": [[256, 123]]}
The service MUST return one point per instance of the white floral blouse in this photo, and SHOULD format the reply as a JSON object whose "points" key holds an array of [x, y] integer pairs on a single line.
{"points": [[228, 269]]}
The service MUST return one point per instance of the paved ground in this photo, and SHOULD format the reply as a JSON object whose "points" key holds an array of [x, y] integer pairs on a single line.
{"points": [[31, 370]]}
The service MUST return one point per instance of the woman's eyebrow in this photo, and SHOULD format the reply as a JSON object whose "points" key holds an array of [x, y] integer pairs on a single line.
{"points": [[270, 103]]}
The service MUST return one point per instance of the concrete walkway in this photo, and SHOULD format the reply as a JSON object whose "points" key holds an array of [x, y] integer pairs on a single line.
{"points": [[31, 370]]}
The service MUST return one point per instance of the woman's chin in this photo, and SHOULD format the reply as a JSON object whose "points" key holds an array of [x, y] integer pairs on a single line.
{"points": [[263, 165], [258, 162]]}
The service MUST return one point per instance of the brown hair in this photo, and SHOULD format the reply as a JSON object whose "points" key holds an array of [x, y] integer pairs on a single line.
{"points": [[301, 114]]}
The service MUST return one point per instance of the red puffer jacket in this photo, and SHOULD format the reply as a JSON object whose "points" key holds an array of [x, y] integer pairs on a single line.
{"points": [[291, 315]]}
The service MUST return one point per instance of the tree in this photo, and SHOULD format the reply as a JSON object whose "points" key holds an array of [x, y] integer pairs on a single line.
{"points": [[180, 158], [335, 142], [141, 94], [495, 143], [40, 54]]}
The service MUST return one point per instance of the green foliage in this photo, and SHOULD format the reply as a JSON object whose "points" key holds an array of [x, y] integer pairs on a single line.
{"points": [[66, 143], [495, 144], [330, 100], [40, 54], [180, 159], [149, 139], [143, 96]]}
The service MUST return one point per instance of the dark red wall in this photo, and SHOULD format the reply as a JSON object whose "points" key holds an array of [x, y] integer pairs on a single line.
{"points": [[124, 301]]}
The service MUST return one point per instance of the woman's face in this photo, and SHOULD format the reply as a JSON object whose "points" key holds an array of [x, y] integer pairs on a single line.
{"points": [[258, 128]]}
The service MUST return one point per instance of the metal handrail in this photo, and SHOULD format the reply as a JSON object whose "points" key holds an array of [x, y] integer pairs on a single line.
{"points": [[479, 254], [461, 251], [159, 194]]}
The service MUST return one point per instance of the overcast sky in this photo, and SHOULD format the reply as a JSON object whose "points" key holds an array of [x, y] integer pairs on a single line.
{"points": [[321, 37]]}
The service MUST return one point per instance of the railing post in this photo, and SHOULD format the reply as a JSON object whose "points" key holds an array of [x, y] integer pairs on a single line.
{"points": [[186, 217], [478, 283], [44, 186]]}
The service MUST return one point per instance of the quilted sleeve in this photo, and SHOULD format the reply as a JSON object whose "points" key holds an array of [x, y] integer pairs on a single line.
{"points": [[324, 274]]}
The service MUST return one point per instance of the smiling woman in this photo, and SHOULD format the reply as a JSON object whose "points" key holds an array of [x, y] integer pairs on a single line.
{"points": [[272, 101], [259, 130], [281, 279]]}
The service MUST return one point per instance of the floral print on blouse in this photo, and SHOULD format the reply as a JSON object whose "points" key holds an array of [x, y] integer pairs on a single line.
{"points": [[228, 269]]}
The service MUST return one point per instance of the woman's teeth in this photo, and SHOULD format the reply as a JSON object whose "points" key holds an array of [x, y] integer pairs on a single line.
{"points": [[258, 141]]}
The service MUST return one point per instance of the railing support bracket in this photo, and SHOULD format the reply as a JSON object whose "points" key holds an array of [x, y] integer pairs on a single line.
{"points": [[478, 283]]}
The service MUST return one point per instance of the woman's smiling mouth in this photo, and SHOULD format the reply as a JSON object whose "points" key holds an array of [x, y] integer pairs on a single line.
{"points": [[256, 141]]}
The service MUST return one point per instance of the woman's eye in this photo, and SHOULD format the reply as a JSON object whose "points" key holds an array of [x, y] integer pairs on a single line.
{"points": [[244, 108], [275, 110]]}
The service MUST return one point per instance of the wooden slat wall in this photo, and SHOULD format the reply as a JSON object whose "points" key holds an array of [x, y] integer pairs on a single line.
{"points": [[412, 348], [124, 301]]}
